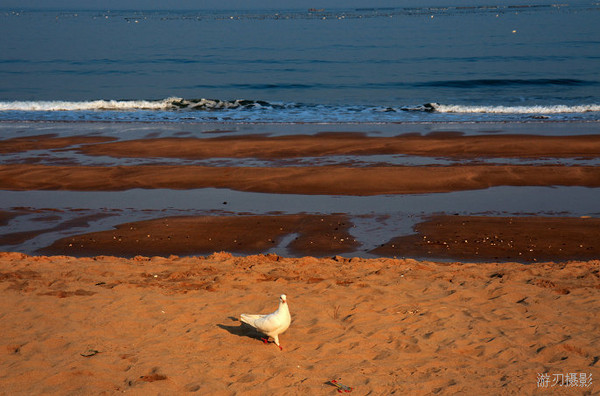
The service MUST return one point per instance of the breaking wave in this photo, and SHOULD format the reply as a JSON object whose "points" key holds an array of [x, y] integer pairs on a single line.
{"points": [[129, 105], [214, 110], [463, 109]]}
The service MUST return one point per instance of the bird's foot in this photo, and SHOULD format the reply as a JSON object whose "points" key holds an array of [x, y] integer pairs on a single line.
{"points": [[265, 340]]}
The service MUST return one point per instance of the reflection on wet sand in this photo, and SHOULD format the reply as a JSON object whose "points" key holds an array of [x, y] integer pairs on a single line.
{"points": [[93, 192]]}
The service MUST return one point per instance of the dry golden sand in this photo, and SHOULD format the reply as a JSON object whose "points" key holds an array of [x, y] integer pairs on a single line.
{"points": [[170, 325]]}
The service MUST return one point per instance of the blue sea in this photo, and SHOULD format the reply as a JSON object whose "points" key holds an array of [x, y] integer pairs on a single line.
{"points": [[485, 61]]}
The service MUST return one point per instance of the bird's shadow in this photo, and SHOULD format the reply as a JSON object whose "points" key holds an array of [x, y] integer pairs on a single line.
{"points": [[241, 330]]}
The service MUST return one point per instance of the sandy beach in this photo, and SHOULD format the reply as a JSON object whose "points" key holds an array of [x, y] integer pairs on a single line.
{"points": [[420, 179], [149, 303], [108, 325]]}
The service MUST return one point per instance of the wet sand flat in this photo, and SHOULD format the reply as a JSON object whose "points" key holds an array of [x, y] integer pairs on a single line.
{"points": [[464, 238], [312, 234], [446, 144], [329, 180], [491, 238], [30, 168]]}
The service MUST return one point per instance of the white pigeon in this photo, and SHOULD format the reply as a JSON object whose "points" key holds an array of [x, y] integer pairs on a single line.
{"points": [[272, 324]]}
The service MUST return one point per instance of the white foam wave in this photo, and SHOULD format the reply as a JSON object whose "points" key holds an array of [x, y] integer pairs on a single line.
{"points": [[56, 105], [553, 109], [175, 103], [200, 110], [172, 103]]}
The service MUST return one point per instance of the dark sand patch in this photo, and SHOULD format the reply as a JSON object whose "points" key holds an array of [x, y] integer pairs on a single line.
{"points": [[328, 180], [48, 142], [316, 235], [524, 239], [6, 217], [19, 237], [435, 144]]}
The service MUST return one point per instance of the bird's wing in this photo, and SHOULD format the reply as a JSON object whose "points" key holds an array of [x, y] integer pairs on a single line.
{"points": [[250, 318], [268, 323]]}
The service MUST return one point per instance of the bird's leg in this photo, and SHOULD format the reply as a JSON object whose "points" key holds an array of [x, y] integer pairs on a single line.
{"points": [[276, 341], [266, 341]]}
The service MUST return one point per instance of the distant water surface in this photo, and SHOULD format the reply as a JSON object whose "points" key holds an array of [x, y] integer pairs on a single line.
{"points": [[486, 62]]}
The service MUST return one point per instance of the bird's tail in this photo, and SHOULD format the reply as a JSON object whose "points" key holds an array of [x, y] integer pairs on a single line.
{"points": [[249, 318]]}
